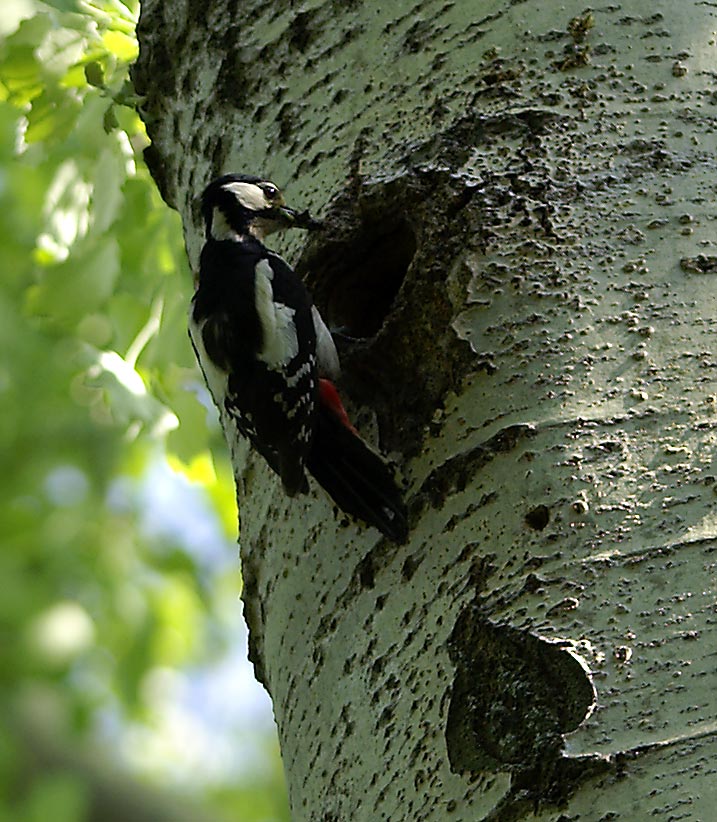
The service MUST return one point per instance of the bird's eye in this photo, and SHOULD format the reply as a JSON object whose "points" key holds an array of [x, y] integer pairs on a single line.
{"points": [[271, 191]]}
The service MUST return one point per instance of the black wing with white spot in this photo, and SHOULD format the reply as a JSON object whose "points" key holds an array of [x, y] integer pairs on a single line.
{"points": [[253, 332]]}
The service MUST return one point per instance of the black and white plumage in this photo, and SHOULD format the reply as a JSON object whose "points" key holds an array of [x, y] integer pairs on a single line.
{"points": [[269, 360]]}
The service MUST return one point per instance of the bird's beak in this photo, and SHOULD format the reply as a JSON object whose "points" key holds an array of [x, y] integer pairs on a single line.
{"points": [[297, 219]]}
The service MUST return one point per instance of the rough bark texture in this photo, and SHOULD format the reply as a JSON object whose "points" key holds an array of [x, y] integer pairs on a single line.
{"points": [[519, 203]]}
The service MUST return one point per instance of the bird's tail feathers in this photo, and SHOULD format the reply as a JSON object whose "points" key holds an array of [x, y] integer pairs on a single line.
{"points": [[355, 476]]}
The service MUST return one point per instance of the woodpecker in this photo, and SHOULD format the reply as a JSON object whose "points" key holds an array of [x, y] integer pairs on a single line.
{"points": [[269, 359]]}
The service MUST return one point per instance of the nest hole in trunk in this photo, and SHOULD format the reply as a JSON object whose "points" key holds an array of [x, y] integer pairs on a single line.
{"points": [[358, 277]]}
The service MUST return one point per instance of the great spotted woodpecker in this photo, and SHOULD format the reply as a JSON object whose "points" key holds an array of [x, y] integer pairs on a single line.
{"points": [[269, 360]]}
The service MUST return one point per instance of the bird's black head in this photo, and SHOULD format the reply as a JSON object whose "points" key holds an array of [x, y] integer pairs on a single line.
{"points": [[237, 204]]}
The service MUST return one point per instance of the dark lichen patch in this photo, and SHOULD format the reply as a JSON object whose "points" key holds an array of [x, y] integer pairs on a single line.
{"points": [[410, 565], [700, 264], [302, 30], [538, 517], [579, 26], [236, 79], [454, 145], [577, 53], [497, 78]]}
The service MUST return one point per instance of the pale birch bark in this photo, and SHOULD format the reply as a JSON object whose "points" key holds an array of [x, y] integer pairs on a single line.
{"points": [[521, 229]]}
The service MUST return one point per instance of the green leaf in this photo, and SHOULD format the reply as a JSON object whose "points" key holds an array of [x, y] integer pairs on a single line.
{"points": [[91, 258], [60, 49], [190, 439], [20, 74], [95, 74], [124, 394], [30, 32], [69, 291], [109, 120], [64, 5], [61, 797], [107, 199], [123, 46], [51, 118]]}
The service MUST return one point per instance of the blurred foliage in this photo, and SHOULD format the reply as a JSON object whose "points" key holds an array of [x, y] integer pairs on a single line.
{"points": [[97, 385]]}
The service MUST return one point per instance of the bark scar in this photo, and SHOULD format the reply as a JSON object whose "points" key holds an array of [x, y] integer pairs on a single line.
{"points": [[514, 697]]}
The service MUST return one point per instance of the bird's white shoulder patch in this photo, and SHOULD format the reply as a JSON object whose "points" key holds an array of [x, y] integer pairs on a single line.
{"points": [[281, 344], [326, 353]]}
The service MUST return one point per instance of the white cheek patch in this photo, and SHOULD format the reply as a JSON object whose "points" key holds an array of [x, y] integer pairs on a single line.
{"points": [[281, 344], [221, 230], [249, 195]]}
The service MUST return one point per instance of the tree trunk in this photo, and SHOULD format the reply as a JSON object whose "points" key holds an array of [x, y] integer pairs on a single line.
{"points": [[518, 199]]}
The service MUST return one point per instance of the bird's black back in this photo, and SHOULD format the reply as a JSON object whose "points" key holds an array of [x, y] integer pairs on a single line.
{"points": [[273, 406]]}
